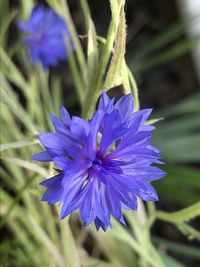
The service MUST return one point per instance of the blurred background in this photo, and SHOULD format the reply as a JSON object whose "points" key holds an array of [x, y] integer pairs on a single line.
{"points": [[163, 40]]}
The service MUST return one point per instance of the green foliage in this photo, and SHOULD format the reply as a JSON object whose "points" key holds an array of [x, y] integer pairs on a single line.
{"points": [[41, 239], [12, 254], [149, 56], [179, 141]]}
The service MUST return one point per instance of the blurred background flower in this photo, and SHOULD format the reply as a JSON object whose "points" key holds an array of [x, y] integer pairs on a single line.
{"points": [[45, 32]]}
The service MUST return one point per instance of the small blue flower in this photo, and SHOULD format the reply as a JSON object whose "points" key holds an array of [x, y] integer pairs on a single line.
{"points": [[104, 164], [45, 32]]}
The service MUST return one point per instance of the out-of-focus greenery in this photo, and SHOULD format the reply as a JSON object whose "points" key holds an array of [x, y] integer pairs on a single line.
{"points": [[178, 137], [28, 95]]}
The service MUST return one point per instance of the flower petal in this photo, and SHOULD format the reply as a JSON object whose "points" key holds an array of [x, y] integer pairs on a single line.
{"points": [[125, 106], [43, 156]]}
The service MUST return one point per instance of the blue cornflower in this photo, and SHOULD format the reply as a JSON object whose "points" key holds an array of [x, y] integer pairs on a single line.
{"points": [[104, 164], [45, 32]]}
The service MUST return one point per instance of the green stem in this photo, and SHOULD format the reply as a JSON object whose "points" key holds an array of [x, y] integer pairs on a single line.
{"points": [[151, 213], [75, 39], [86, 11], [75, 72], [134, 90], [45, 89], [94, 92], [139, 248], [180, 216], [138, 224]]}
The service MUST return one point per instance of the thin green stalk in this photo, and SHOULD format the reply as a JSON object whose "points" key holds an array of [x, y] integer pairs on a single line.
{"points": [[134, 90], [75, 72], [86, 11], [151, 214], [68, 244], [49, 222], [181, 215], [34, 103], [45, 90], [42, 236], [17, 109], [138, 223], [75, 39], [137, 247]]}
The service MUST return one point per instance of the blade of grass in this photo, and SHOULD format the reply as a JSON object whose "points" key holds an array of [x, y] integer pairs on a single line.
{"points": [[178, 248], [27, 165], [169, 54], [172, 33], [18, 144], [18, 110], [47, 242]]}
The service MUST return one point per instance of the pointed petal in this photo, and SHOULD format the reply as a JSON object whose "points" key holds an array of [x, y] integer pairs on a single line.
{"points": [[58, 125], [65, 116], [113, 129], [103, 101], [54, 192], [56, 143], [42, 156], [125, 106]]}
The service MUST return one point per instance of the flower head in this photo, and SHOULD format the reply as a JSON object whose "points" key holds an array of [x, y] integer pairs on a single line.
{"points": [[104, 164], [45, 32]]}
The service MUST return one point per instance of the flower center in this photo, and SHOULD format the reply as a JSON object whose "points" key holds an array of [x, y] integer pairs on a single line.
{"points": [[97, 161]]}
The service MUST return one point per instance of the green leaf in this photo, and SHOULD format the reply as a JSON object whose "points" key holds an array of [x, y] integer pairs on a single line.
{"points": [[179, 178], [180, 148], [180, 126], [188, 105], [187, 251], [170, 262]]}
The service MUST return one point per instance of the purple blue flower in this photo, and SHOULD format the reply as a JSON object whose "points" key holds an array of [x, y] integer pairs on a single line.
{"points": [[45, 32], [103, 165]]}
